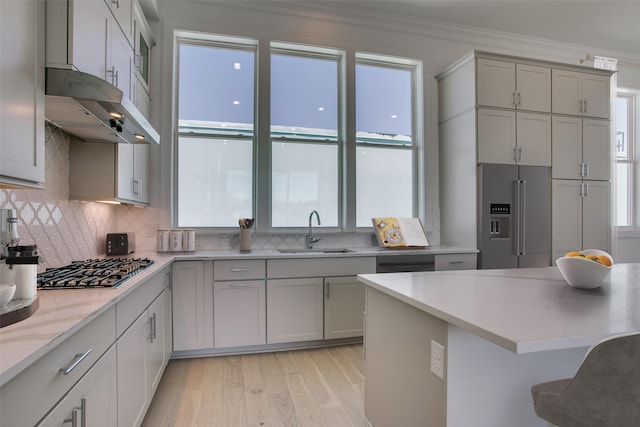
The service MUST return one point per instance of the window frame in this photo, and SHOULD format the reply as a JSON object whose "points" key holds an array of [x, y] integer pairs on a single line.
{"points": [[417, 141], [633, 195], [215, 41], [322, 53], [262, 141]]}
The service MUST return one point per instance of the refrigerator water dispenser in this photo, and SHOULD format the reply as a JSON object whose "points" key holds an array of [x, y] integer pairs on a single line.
{"points": [[500, 220]]}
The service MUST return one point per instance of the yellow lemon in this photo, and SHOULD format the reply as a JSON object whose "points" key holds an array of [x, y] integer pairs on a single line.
{"points": [[604, 260]]}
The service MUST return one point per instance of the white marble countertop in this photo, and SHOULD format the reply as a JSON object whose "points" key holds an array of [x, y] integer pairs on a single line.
{"points": [[317, 252], [523, 310], [63, 312]]}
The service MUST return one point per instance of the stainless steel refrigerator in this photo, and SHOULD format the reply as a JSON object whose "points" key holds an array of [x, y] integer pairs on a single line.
{"points": [[514, 216]]}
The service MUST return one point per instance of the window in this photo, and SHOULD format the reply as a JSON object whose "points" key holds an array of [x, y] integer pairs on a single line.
{"points": [[304, 137], [625, 158], [215, 142], [385, 152], [229, 165]]}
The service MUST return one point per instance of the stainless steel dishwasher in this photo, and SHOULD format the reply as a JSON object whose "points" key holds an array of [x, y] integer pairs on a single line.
{"points": [[405, 263]]}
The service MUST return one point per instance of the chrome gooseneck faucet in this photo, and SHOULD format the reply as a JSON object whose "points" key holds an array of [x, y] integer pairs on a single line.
{"points": [[310, 239]]}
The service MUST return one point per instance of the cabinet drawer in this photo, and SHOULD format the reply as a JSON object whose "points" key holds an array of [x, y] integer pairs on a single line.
{"points": [[319, 267], [239, 269], [136, 302], [29, 396], [455, 262]]}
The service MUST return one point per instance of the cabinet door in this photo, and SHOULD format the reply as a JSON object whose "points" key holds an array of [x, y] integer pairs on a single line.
{"points": [[133, 382], [533, 139], [596, 149], [596, 96], [566, 147], [89, 37], [496, 136], [157, 340], [192, 305], [120, 66], [239, 313], [533, 88], [125, 171], [141, 172], [294, 310], [566, 217], [95, 394], [596, 216], [122, 10], [343, 307], [566, 97], [496, 83], [22, 88], [141, 98]]}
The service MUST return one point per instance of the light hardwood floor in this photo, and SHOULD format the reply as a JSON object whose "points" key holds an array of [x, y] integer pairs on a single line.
{"points": [[303, 388]]}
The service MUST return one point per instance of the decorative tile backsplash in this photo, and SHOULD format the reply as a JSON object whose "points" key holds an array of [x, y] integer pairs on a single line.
{"points": [[68, 230]]}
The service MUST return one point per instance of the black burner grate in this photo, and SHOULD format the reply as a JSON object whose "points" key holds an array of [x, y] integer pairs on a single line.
{"points": [[92, 273]]}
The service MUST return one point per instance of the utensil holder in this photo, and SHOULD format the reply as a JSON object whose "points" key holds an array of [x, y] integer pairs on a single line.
{"points": [[245, 239]]}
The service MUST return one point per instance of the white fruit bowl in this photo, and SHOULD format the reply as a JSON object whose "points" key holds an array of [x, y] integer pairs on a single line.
{"points": [[6, 293], [584, 273]]}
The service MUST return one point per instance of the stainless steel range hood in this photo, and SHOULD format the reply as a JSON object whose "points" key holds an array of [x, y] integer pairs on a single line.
{"points": [[94, 110]]}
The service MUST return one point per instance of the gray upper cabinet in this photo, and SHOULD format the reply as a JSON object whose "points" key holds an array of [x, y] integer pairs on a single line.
{"points": [[581, 94], [22, 153], [503, 84]]}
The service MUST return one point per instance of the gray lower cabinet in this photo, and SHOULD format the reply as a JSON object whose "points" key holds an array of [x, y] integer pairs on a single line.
{"points": [[192, 305], [294, 309], [343, 307], [92, 401], [239, 313], [28, 397], [143, 347]]}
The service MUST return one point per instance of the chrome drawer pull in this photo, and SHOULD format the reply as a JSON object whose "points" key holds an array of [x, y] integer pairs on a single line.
{"points": [[456, 262], [79, 358], [239, 270], [239, 285]]}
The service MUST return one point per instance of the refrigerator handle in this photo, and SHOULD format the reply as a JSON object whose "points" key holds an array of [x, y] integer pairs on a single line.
{"points": [[523, 219], [516, 217]]}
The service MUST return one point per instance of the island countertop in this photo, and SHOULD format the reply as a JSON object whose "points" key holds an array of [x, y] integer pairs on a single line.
{"points": [[522, 310]]}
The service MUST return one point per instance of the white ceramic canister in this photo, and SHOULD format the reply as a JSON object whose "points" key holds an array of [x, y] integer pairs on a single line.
{"points": [[26, 281], [163, 241], [189, 240], [175, 240]]}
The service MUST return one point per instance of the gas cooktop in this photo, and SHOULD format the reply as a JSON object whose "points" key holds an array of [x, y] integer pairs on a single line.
{"points": [[92, 273]]}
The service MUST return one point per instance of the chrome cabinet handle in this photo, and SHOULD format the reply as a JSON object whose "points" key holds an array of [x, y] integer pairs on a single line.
{"points": [[519, 99], [585, 105], [239, 285], [82, 409], [328, 289], [239, 270], [513, 99], [79, 358], [456, 262]]}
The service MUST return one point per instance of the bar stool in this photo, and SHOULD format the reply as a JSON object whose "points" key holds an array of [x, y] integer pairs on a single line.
{"points": [[605, 392]]}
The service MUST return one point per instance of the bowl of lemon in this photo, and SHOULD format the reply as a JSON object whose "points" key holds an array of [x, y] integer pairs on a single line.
{"points": [[585, 269]]}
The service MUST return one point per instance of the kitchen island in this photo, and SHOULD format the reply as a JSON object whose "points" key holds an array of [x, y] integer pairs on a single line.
{"points": [[502, 332]]}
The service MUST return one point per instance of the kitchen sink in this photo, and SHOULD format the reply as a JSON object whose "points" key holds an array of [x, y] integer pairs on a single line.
{"points": [[317, 251]]}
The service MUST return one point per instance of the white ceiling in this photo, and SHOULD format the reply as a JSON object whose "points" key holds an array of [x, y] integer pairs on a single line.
{"points": [[611, 25]]}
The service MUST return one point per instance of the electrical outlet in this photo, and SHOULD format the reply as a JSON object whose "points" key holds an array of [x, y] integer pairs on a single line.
{"points": [[437, 359]]}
